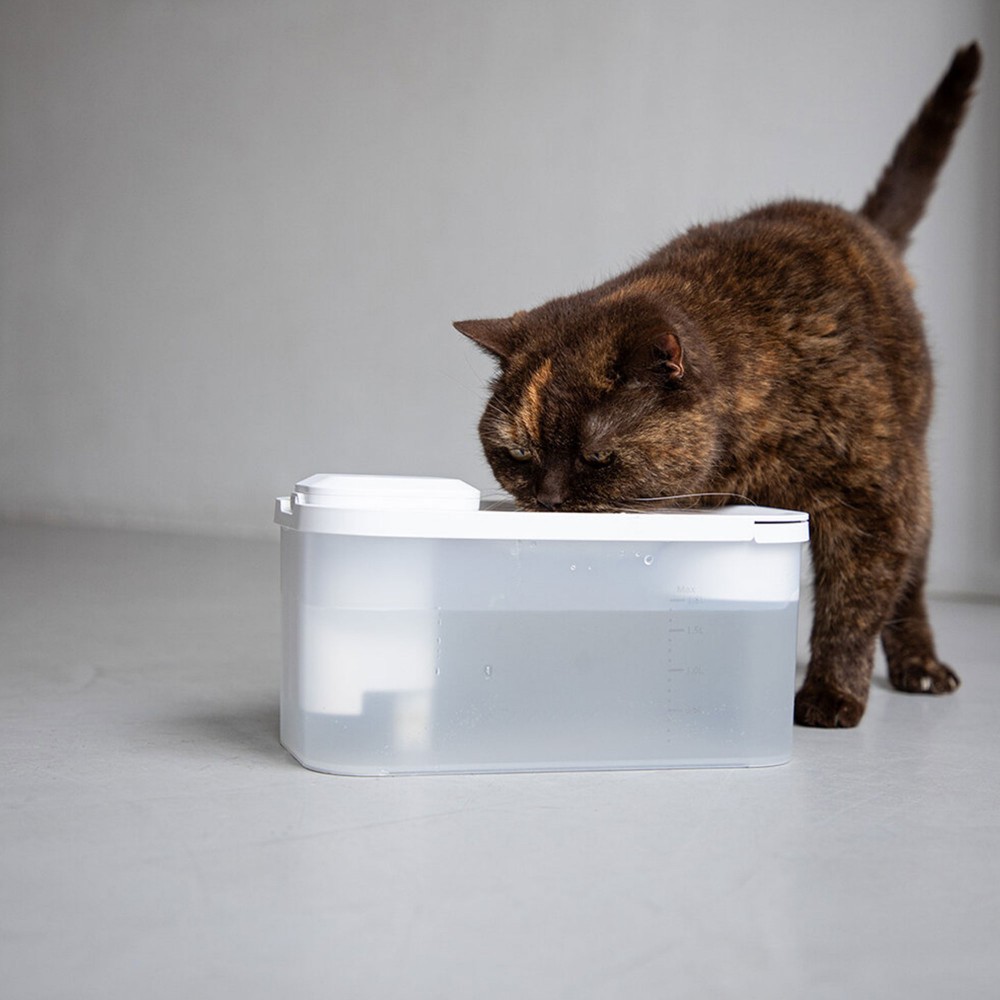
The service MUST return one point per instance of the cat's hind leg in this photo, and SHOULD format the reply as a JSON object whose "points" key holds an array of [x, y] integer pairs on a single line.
{"points": [[909, 643], [857, 579]]}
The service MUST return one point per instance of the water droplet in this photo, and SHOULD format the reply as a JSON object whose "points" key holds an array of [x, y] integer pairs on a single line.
{"points": [[648, 560], [488, 670], [572, 567]]}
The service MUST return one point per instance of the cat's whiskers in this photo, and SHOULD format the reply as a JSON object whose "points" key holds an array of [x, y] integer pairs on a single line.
{"points": [[502, 408], [492, 499], [692, 496]]}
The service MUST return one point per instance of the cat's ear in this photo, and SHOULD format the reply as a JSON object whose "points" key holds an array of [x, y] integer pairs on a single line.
{"points": [[668, 353], [495, 336], [650, 348]]}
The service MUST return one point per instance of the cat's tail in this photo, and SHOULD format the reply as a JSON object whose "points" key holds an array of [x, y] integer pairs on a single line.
{"points": [[903, 190]]}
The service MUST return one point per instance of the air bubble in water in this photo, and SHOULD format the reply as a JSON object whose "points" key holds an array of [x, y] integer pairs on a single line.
{"points": [[648, 560], [488, 671]]}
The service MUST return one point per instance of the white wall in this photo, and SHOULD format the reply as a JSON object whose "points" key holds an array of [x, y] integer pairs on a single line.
{"points": [[234, 234]]}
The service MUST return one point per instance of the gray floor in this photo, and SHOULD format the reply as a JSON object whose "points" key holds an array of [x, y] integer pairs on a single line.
{"points": [[156, 841]]}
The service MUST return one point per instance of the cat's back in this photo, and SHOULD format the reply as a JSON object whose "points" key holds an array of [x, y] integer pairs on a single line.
{"points": [[789, 273], [783, 252], [803, 306]]}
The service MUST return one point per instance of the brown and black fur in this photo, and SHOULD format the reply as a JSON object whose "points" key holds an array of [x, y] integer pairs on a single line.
{"points": [[778, 357]]}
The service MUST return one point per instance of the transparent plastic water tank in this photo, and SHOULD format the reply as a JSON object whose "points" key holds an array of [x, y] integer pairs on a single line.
{"points": [[422, 634]]}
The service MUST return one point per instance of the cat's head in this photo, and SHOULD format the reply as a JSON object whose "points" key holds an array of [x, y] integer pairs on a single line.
{"points": [[601, 403]]}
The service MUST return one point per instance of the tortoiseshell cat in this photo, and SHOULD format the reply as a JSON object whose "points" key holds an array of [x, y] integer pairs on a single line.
{"points": [[778, 357]]}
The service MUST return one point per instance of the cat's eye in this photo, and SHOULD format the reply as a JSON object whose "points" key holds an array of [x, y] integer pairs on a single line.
{"points": [[598, 457], [519, 454]]}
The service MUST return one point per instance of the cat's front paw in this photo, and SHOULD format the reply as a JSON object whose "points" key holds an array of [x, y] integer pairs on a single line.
{"points": [[923, 675], [827, 708]]}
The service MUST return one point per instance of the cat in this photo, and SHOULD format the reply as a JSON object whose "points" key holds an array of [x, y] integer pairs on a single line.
{"points": [[778, 358]]}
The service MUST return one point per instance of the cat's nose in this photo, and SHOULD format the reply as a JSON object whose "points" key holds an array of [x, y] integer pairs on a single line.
{"points": [[551, 492]]}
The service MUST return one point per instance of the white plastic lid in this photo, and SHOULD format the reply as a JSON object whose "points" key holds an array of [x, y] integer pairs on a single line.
{"points": [[353, 492], [415, 507]]}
